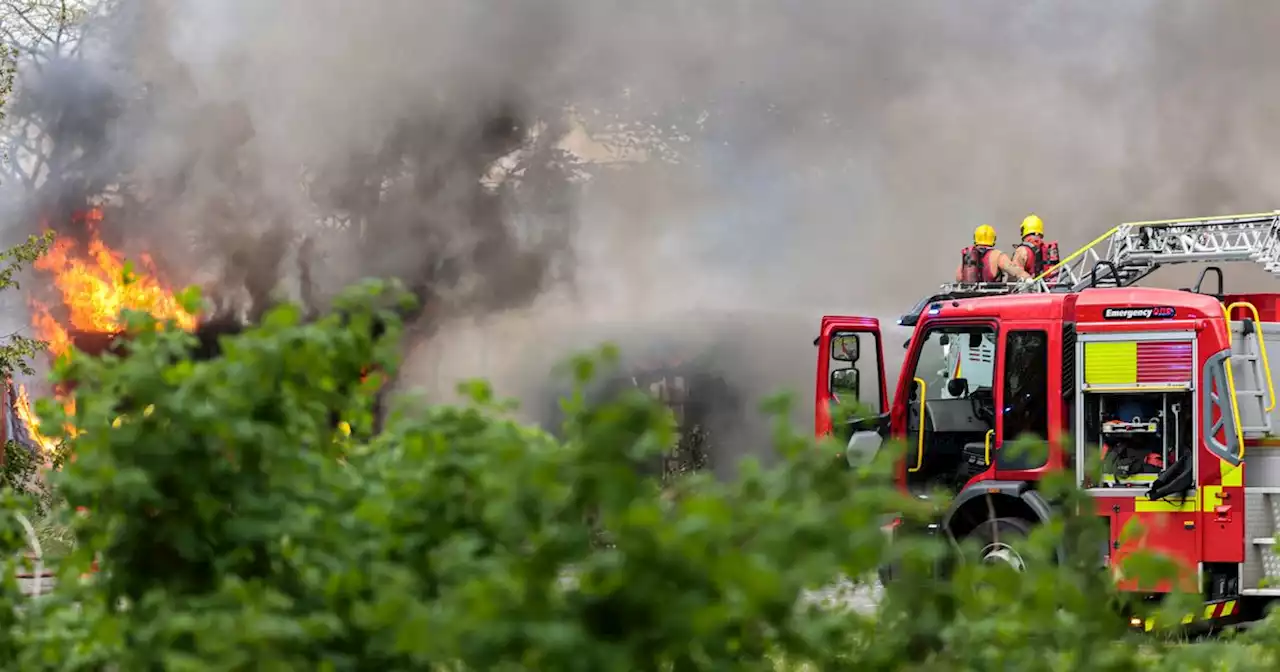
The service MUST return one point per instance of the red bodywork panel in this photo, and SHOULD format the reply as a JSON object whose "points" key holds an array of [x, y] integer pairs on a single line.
{"points": [[1174, 535], [1268, 305]]}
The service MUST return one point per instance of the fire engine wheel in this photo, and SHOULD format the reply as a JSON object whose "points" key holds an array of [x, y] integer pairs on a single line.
{"points": [[999, 541]]}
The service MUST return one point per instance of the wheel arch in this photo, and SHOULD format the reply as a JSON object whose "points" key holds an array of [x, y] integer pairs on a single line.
{"points": [[994, 499]]}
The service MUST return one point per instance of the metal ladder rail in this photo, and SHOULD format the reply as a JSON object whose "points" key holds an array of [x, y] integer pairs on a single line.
{"points": [[1135, 249], [1255, 353], [1075, 271], [1236, 238]]}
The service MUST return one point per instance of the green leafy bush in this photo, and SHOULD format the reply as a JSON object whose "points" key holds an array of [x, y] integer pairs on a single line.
{"points": [[236, 528]]}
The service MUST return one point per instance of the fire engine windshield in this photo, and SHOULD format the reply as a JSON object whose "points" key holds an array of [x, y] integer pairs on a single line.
{"points": [[956, 361]]}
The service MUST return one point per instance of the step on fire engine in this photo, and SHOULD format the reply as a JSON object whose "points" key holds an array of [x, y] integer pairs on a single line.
{"points": [[1171, 391]]}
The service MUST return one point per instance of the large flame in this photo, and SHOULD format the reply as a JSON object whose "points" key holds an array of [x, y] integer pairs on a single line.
{"points": [[93, 291]]}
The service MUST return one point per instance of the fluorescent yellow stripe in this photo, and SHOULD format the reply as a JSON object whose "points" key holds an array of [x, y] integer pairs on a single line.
{"points": [[1210, 496], [1188, 618], [1142, 505], [920, 439], [1229, 608], [1208, 611], [1111, 363]]}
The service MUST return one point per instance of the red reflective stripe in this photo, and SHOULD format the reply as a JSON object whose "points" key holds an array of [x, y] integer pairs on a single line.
{"points": [[1164, 362]]}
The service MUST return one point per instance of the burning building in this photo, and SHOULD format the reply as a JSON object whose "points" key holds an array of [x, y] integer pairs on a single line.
{"points": [[88, 285]]}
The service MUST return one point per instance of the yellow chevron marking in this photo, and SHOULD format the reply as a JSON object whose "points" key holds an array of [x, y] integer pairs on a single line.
{"points": [[1232, 476]]}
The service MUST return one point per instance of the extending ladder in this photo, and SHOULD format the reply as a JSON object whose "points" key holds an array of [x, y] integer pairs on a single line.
{"points": [[1129, 252]]}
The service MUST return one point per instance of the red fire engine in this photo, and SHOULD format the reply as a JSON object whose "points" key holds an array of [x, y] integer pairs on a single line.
{"points": [[1171, 391]]}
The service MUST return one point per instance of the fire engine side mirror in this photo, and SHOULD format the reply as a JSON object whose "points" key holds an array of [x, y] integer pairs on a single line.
{"points": [[844, 347], [957, 387], [846, 381]]}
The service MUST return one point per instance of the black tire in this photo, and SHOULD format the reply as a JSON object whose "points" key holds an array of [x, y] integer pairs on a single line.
{"points": [[999, 540]]}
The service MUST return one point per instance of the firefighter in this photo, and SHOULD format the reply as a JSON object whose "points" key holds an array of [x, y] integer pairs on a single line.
{"points": [[982, 262], [1034, 255]]}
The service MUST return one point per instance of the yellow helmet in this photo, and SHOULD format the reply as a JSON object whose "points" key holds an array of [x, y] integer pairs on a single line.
{"points": [[984, 235], [1032, 224]]}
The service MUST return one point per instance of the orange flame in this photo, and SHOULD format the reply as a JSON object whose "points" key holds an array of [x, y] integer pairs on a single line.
{"points": [[26, 414], [94, 291]]}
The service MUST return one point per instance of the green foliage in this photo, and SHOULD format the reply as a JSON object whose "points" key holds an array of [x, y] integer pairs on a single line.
{"points": [[22, 474], [236, 528], [20, 470], [8, 70], [17, 349]]}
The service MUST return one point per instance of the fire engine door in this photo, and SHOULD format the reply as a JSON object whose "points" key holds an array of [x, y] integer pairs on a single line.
{"points": [[946, 408], [1023, 395], [851, 401]]}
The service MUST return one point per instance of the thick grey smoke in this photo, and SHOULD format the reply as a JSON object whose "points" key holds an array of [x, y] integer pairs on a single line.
{"points": [[227, 133], [850, 148], [835, 155]]}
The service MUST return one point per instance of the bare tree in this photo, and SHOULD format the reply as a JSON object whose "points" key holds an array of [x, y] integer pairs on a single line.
{"points": [[40, 37]]}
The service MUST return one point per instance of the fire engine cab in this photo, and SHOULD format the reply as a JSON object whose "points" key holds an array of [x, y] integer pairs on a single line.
{"points": [[1161, 402]]}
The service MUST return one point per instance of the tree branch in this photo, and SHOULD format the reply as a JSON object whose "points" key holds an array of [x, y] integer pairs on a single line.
{"points": [[62, 22], [35, 29]]}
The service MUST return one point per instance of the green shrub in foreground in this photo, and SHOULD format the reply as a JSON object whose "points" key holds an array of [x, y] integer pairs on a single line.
{"points": [[237, 530]]}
